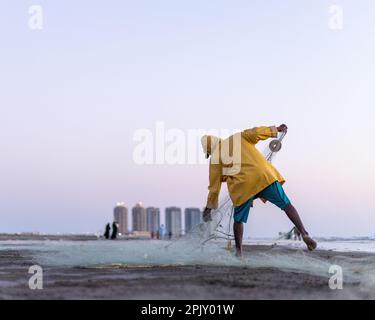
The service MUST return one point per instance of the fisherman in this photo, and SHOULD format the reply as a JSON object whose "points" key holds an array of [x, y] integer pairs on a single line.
{"points": [[249, 176]]}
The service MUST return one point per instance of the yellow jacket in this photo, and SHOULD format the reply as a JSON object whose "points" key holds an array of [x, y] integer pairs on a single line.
{"points": [[246, 175]]}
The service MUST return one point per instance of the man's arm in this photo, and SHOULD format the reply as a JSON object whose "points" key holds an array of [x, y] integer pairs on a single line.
{"points": [[215, 177], [256, 134]]}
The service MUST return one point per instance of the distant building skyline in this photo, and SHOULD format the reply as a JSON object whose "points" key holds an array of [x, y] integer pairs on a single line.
{"points": [[153, 219], [139, 217], [173, 217], [193, 217], [149, 219], [120, 216]]}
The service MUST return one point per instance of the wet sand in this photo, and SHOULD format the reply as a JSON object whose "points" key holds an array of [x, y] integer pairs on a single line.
{"points": [[171, 282]]}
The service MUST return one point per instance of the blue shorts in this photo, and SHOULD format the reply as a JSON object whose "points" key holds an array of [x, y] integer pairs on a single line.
{"points": [[273, 193]]}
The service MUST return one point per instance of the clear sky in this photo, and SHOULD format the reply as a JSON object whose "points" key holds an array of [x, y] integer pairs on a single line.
{"points": [[73, 94]]}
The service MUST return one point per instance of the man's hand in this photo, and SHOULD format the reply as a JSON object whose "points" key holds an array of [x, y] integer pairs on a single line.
{"points": [[282, 128], [207, 215]]}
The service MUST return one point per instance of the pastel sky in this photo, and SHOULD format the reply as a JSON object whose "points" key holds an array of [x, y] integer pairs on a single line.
{"points": [[73, 94]]}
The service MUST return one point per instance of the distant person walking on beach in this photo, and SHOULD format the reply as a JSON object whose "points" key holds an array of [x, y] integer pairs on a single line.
{"points": [[249, 176], [107, 231], [114, 231]]}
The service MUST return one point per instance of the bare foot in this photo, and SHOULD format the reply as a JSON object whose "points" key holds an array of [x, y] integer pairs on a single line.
{"points": [[311, 244]]}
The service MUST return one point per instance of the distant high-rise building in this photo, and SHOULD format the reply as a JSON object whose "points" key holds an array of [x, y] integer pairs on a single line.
{"points": [[173, 221], [193, 217], [139, 217], [153, 219], [120, 216]]}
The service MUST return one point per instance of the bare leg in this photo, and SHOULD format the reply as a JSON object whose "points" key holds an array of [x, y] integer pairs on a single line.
{"points": [[293, 215], [238, 234]]}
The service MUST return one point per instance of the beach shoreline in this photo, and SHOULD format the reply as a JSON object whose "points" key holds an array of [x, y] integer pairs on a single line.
{"points": [[165, 282]]}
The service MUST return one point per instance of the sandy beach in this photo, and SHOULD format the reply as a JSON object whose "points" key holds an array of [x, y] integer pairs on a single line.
{"points": [[119, 281]]}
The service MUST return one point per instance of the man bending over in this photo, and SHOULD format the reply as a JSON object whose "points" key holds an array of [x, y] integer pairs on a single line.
{"points": [[248, 176]]}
